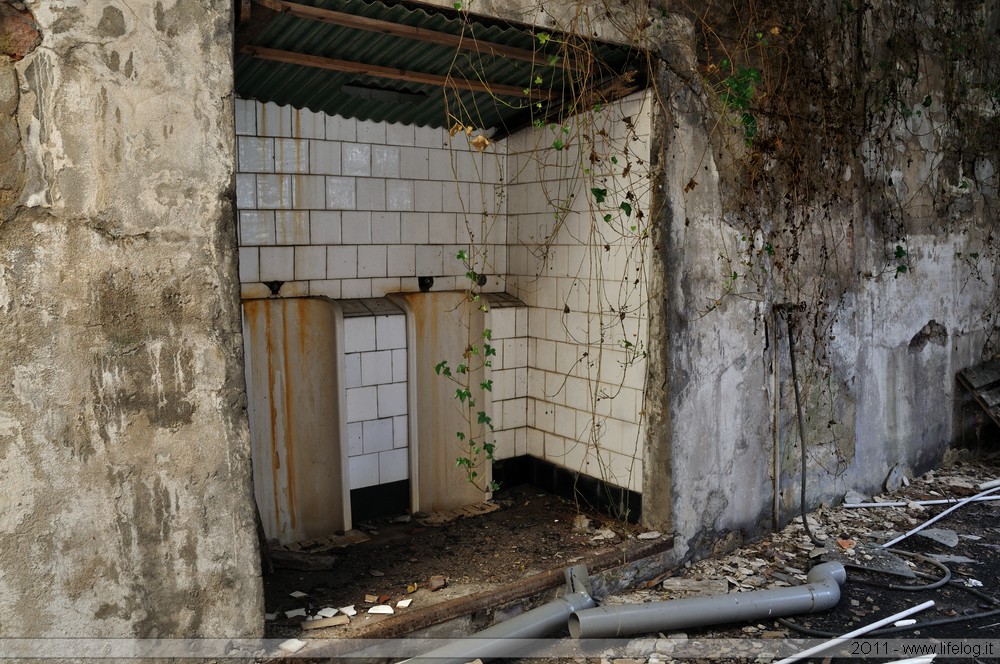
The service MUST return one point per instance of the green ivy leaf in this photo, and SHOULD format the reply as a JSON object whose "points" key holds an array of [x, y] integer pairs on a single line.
{"points": [[626, 208], [599, 194]]}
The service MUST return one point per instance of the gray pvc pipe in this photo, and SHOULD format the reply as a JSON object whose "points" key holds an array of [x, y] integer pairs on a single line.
{"points": [[821, 592], [492, 642]]}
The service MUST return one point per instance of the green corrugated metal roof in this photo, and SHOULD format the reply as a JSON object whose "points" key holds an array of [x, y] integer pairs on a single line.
{"points": [[385, 100]]}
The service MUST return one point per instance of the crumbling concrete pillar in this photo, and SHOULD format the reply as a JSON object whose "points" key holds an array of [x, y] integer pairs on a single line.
{"points": [[126, 508]]}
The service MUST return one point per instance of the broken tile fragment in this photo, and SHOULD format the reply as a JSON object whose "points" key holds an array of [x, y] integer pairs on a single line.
{"points": [[383, 609], [651, 535], [292, 646], [326, 622], [403, 603], [326, 612], [371, 599], [298, 593], [348, 610], [437, 582], [942, 535], [295, 612]]}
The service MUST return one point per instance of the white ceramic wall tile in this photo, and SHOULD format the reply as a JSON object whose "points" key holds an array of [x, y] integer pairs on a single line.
{"points": [[246, 191], [392, 400], [254, 154], [308, 192], [277, 264], [341, 262], [393, 466], [399, 365], [341, 129], [352, 364], [371, 261], [356, 228], [355, 444], [308, 124], [382, 287], [362, 404], [400, 431], [310, 263], [403, 260], [385, 161], [274, 192], [399, 134], [371, 194], [246, 117], [356, 159], [442, 228], [363, 471], [501, 322], [291, 155], [356, 288], [274, 120], [340, 193], [324, 158], [377, 435], [429, 137], [428, 197], [371, 132], [291, 227], [256, 227], [376, 367], [414, 228], [249, 264], [399, 195], [324, 227], [429, 261], [359, 334], [325, 288], [385, 227], [390, 332], [414, 163]]}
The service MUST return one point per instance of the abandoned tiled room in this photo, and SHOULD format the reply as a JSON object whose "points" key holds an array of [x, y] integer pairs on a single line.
{"points": [[412, 316]]}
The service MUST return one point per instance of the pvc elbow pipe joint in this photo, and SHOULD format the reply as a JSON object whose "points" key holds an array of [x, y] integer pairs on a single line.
{"points": [[821, 592], [495, 642]]}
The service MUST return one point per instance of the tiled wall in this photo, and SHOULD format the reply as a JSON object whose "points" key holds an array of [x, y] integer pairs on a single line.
{"points": [[349, 209], [508, 323], [352, 209], [584, 280], [375, 359]]}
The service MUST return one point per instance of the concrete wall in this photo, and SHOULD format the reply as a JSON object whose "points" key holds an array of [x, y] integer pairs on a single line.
{"points": [[877, 223], [127, 508]]}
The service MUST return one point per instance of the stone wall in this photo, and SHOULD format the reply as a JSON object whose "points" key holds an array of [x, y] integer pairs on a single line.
{"points": [[127, 509]]}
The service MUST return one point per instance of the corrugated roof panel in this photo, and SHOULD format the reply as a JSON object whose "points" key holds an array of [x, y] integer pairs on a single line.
{"points": [[387, 100]]}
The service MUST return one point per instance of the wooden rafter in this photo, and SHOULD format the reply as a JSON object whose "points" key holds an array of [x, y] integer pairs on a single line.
{"points": [[408, 31], [392, 73]]}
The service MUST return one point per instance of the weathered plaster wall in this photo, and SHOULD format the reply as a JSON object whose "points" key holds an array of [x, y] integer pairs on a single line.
{"points": [[124, 456], [882, 234]]}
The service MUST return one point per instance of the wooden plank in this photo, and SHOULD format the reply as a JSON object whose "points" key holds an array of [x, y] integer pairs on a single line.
{"points": [[346, 66], [983, 382], [409, 32], [976, 378], [990, 398]]}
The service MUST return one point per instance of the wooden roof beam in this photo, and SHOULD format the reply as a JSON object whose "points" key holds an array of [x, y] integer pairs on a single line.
{"points": [[346, 66]]}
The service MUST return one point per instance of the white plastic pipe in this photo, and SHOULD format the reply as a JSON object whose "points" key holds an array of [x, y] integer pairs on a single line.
{"points": [[821, 592], [988, 485], [502, 640], [826, 645], [939, 516], [904, 503]]}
